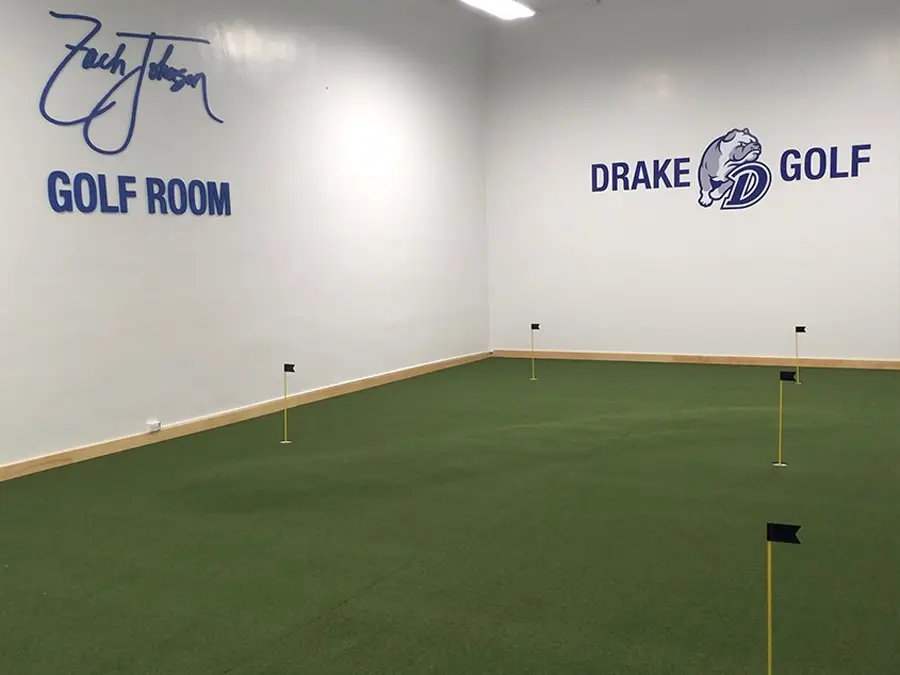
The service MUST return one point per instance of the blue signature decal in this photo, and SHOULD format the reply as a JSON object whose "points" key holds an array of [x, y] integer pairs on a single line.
{"points": [[115, 64]]}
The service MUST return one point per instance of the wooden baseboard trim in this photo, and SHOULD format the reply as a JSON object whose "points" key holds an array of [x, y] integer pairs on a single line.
{"points": [[807, 362], [177, 430], [67, 457]]}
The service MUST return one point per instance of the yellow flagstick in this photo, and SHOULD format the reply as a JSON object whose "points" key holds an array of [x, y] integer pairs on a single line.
{"points": [[783, 534], [533, 372], [780, 421], [288, 368], [797, 331], [285, 410], [769, 601], [784, 376]]}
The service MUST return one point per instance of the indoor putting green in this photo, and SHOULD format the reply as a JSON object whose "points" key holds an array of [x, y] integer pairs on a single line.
{"points": [[609, 518]]}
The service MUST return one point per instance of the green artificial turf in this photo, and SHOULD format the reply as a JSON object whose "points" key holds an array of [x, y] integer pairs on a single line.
{"points": [[605, 519]]}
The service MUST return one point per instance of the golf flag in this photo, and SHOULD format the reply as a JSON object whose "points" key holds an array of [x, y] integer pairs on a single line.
{"points": [[288, 368], [788, 376], [535, 326], [781, 534], [800, 329]]}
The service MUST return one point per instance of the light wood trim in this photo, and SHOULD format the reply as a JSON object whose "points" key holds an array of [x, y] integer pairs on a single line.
{"points": [[169, 432], [808, 362]]}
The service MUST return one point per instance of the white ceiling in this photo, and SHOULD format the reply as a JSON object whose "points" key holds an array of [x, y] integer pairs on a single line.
{"points": [[547, 5], [550, 5]]}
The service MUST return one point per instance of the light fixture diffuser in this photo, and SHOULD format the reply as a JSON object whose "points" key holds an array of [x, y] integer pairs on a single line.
{"points": [[502, 9]]}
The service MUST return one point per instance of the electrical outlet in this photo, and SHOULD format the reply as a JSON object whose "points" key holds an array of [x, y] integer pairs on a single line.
{"points": [[153, 426]]}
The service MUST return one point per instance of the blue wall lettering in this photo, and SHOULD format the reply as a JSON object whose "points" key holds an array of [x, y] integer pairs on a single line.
{"points": [[125, 193], [660, 173], [682, 169], [156, 196], [816, 163], [600, 177], [58, 193], [177, 196], [858, 158], [85, 192], [197, 197], [84, 189], [116, 65], [641, 177], [751, 184], [620, 174], [835, 172], [219, 198], [791, 165], [105, 206], [731, 170]]}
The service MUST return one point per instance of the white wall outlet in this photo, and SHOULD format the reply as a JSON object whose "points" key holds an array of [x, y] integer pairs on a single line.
{"points": [[153, 426]]}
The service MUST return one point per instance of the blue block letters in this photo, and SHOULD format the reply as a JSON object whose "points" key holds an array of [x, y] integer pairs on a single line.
{"points": [[89, 193]]}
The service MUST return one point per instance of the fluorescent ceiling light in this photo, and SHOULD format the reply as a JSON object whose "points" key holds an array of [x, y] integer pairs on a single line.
{"points": [[502, 9]]}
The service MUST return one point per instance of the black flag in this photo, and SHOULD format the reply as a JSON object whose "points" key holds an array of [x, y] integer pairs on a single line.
{"points": [[782, 534], [788, 376], [289, 367], [535, 326], [800, 329]]}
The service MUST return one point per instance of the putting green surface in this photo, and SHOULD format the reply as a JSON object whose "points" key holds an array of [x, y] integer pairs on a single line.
{"points": [[605, 519]]}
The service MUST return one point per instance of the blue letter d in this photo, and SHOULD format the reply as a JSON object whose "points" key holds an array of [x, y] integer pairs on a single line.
{"points": [[751, 183]]}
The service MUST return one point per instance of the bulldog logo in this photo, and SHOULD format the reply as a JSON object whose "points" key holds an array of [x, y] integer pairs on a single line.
{"points": [[730, 172]]}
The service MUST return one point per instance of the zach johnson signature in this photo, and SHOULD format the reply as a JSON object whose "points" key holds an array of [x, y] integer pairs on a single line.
{"points": [[116, 65]]}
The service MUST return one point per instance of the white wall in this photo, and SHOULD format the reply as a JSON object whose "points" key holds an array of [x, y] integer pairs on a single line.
{"points": [[352, 143], [364, 142], [653, 271]]}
